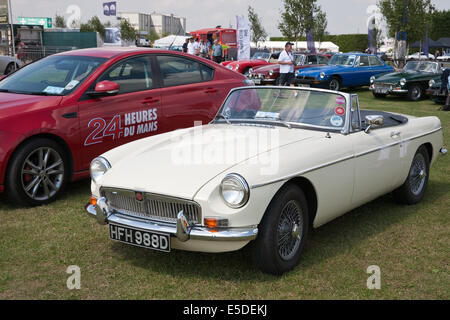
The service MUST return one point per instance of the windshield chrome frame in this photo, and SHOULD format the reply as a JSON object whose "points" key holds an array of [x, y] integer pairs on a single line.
{"points": [[346, 128]]}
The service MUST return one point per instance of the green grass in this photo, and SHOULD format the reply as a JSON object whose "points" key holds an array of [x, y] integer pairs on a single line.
{"points": [[409, 243]]}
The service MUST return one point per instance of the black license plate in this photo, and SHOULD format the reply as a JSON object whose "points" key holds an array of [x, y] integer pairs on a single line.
{"points": [[140, 238]]}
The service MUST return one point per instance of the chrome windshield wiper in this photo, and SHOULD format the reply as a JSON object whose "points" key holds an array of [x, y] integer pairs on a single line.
{"points": [[275, 119]]}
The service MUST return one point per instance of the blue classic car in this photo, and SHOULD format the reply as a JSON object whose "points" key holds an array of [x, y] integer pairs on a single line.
{"points": [[343, 70]]}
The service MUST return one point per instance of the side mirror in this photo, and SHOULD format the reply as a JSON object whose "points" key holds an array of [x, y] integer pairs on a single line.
{"points": [[374, 121], [105, 88]]}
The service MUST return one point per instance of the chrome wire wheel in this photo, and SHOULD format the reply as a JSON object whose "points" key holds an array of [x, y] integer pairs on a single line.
{"points": [[290, 230], [42, 173], [418, 174]]}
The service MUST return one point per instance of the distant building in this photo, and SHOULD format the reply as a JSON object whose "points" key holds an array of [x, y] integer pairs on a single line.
{"points": [[162, 24]]}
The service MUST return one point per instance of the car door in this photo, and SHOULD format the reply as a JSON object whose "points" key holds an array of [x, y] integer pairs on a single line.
{"points": [[134, 113], [362, 72], [377, 158], [376, 66], [189, 93], [311, 60]]}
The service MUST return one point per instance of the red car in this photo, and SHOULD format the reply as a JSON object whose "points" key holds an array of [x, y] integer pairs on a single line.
{"points": [[269, 74], [258, 59], [59, 113]]}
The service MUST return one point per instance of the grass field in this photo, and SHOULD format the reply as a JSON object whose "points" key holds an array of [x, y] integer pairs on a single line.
{"points": [[411, 245]]}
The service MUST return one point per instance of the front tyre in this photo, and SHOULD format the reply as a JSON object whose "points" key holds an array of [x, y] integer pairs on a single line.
{"points": [[335, 84], [38, 173], [413, 190], [415, 92], [282, 232]]}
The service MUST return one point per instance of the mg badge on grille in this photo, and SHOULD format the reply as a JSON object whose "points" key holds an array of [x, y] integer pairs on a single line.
{"points": [[139, 196]]}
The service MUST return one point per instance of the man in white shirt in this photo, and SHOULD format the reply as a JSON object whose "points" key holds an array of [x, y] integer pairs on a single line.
{"points": [[193, 47], [286, 62]]}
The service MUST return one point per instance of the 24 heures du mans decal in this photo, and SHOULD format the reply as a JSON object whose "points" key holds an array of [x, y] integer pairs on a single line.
{"points": [[136, 123]]}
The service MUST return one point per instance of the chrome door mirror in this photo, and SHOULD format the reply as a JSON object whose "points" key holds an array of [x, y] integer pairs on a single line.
{"points": [[373, 121]]}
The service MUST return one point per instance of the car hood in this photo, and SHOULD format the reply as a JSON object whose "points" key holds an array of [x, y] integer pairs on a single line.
{"points": [[247, 61], [396, 76], [315, 71], [12, 104], [179, 163], [267, 68]]}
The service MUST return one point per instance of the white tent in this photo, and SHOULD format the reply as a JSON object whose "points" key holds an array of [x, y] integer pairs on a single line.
{"points": [[300, 45], [171, 40]]}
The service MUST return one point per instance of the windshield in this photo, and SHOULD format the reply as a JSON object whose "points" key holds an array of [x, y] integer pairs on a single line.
{"points": [[55, 75], [342, 60], [261, 56], [286, 106], [417, 66], [298, 59]]}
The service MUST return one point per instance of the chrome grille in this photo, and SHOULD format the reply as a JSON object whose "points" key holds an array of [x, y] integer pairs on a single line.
{"points": [[152, 207]]}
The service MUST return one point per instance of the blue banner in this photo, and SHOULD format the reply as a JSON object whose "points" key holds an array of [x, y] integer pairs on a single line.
{"points": [[109, 8], [310, 42]]}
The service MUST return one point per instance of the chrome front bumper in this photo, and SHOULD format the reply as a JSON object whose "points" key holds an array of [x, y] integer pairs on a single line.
{"points": [[392, 89], [182, 230]]}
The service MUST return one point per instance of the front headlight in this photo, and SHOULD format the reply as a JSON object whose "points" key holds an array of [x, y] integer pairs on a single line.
{"points": [[322, 75], [250, 71], [98, 168], [431, 83], [402, 81], [234, 190], [271, 73], [237, 67], [372, 79]]}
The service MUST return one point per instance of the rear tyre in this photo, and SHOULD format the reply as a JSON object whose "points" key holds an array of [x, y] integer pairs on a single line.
{"points": [[415, 92], [335, 84], [413, 190], [38, 173], [282, 232]]}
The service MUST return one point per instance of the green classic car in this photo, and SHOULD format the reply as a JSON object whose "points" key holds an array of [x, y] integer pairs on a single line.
{"points": [[412, 81]]}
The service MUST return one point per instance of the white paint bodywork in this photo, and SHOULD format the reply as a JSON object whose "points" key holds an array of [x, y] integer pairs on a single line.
{"points": [[345, 170]]}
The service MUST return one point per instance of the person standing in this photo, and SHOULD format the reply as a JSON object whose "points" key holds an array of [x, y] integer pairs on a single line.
{"points": [[185, 45], [445, 86], [286, 62], [203, 49], [191, 46], [217, 52]]}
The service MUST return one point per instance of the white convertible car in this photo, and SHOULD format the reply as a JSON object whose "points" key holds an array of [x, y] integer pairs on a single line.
{"points": [[274, 162]]}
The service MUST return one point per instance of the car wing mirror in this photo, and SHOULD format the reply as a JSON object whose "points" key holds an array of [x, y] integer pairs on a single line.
{"points": [[105, 88], [373, 121]]}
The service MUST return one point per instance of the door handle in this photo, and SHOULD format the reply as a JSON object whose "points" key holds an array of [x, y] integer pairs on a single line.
{"points": [[150, 100], [211, 90], [395, 134]]}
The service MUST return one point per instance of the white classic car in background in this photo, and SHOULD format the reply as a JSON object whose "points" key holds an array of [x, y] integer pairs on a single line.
{"points": [[274, 162], [7, 64]]}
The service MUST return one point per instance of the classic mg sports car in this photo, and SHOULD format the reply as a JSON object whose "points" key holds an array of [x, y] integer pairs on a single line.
{"points": [[343, 70], [412, 81], [270, 74], [257, 60], [273, 162]]}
